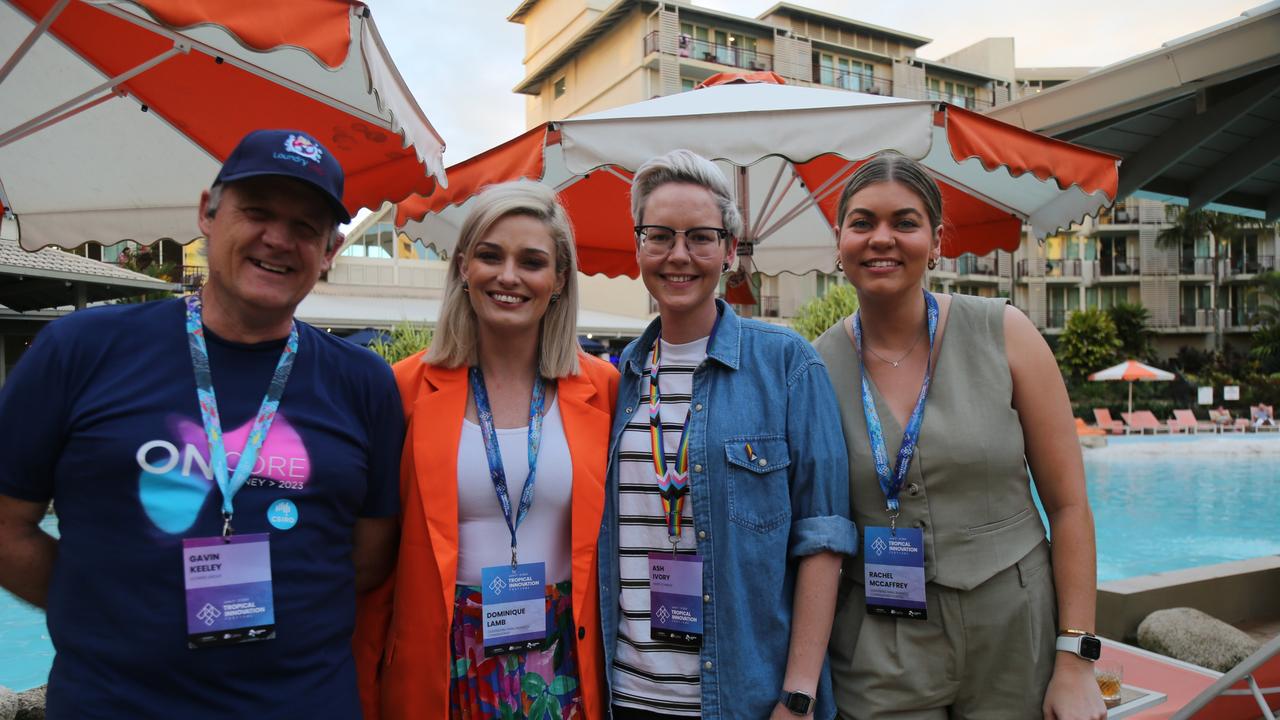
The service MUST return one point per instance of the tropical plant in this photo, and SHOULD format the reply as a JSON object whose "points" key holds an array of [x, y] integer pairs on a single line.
{"points": [[141, 262], [815, 316], [1266, 338], [1087, 343], [1131, 320], [1190, 226], [406, 339]]}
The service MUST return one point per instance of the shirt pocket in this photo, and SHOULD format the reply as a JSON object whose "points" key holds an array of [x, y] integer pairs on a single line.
{"points": [[759, 491]]}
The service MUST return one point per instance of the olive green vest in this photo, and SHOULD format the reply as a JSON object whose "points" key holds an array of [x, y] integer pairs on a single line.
{"points": [[968, 488]]}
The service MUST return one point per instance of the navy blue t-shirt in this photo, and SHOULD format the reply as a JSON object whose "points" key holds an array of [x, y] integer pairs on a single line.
{"points": [[100, 416]]}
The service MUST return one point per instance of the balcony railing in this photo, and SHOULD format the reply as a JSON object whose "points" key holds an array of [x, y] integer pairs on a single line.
{"points": [[971, 265], [946, 265], [1242, 317], [1249, 265], [964, 101], [1056, 318], [731, 55], [1118, 266], [855, 81], [192, 276], [1195, 266]]}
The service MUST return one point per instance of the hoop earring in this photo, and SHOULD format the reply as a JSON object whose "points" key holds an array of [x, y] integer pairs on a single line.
{"points": [[839, 265], [555, 297], [725, 267], [933, 263], [466, 286]]}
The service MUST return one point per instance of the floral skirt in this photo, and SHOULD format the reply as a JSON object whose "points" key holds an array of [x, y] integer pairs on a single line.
{"points": [[535, 684]]}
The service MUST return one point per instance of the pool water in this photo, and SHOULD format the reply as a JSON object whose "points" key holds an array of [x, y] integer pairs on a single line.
{"points": [[1159, 504], [1164, 504]]}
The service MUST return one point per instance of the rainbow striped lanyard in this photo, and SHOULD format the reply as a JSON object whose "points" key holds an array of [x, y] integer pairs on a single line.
{"points": [[673, 482]]}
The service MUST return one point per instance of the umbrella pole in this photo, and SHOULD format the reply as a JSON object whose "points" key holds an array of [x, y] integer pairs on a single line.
{"points": [[1131, 396]]}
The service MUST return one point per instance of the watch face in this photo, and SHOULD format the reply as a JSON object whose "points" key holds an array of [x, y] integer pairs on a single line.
{"points": [[799, 703], [1090, 647]]}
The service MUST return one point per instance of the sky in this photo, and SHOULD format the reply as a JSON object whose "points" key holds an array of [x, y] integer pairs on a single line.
{"points": [[461, 58]]}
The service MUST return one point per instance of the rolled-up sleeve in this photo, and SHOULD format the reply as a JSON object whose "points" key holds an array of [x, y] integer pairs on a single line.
{"points": [[819, 465]]}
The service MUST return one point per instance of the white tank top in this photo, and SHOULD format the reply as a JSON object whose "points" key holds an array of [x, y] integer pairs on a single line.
{"points": [[544, 536]]}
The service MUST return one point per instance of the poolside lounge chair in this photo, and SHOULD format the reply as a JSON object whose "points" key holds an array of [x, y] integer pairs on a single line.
{"points": [[1249, 690], [1222, 418], [1102, 417], [1187, 421], [1263, 417], [1083, 429], [1140, 421]]}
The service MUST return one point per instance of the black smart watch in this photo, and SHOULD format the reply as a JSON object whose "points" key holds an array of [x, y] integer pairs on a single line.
{"points": [[798, 703]]}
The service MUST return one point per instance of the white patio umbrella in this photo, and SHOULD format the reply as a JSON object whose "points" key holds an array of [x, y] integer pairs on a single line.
{"points": [[115, 114], [1132, 371], [788, 151]]}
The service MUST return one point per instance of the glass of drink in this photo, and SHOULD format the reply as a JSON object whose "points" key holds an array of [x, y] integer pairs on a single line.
{"points": [[1110, 676]]}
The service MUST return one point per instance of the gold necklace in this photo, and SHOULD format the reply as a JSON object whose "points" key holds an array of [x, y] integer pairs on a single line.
{"points": [[897, 362]]}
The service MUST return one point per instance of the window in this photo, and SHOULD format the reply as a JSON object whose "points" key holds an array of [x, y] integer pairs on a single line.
{"points": [[687, 84], [826, 282], [845, 73], [377, 241], [721, 46], [558, 88], [956, 93]]}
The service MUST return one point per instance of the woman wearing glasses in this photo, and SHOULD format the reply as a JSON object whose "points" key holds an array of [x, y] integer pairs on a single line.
{"points": [[727, 502], [473, 626]]}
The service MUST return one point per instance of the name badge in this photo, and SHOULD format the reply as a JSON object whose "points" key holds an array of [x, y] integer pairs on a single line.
{"points": [[514, 607], [894, 572], [675, 598], [228, 586]]}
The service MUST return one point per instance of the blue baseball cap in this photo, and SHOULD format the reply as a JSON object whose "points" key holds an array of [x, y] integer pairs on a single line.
{"points": [[288, 153]]}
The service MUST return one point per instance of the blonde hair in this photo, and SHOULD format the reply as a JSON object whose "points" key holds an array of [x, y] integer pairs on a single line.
{"points": [[456, 341], [685, 166]]}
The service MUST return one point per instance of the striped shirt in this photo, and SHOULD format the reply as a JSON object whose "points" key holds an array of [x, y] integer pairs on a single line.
{"points": [[657, 676]]}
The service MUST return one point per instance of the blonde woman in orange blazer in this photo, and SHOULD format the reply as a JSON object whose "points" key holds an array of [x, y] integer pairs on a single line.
{"points": [[510, 310]]}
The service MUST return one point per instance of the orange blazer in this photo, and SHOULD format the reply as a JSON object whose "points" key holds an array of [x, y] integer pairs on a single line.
{"points": [[401, 641]]}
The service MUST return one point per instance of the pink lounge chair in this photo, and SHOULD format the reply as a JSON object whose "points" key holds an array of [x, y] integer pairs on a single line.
{"points": [[1222, 418], [1187, 421], [1141, 421], [1196, 693], [1103, 420]]}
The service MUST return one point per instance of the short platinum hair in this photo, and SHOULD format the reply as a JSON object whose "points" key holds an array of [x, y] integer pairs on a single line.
{"points": [[456, 341], [215, 200], [685, 166]]}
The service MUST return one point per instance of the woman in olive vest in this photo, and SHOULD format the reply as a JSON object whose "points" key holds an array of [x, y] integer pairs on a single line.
{"points": [[956, 606]]}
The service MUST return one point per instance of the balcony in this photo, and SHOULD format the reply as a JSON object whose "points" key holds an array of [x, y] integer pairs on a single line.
{"points": [[687, 47], [1116, 216], [946, 265], [1248, 265], [1195, 265], [1238, 317], [1118, 267], [853, 81], [1071, 268], [191, 276], [964, 101], [973, 265]]}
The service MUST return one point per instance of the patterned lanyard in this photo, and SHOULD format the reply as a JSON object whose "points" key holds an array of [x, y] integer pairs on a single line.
{"points": [[673, 483], [494, 453], [229, 486], [891, 481]]}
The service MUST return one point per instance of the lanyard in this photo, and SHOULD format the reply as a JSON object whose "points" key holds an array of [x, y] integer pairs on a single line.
{"points": [[891, 482], [673, 483], [230, 485], [494, 453]]}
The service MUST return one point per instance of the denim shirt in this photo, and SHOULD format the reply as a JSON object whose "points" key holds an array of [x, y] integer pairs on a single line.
{"points": [[756, 513]]}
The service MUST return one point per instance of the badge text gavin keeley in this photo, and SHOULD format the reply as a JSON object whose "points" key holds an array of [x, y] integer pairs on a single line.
{"points": [[207, 567]]}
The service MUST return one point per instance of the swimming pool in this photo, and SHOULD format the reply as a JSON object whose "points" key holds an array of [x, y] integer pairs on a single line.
{"points": [[1169, 503], [1159, 504]]}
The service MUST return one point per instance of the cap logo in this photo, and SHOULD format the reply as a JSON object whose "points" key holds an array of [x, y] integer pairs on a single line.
{"points": [[303, 146]]}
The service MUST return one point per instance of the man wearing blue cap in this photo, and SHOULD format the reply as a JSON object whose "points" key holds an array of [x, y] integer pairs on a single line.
{"points": [[224, 476]]}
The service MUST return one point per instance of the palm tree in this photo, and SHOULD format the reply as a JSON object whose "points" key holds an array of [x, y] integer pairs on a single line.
{"points": [[1220, 228]]}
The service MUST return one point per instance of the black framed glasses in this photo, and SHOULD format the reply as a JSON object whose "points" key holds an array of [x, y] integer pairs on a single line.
{"points": [[658, 240]]}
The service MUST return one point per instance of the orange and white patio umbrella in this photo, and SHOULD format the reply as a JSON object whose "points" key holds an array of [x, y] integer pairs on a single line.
{"points": [[114, 114], [1132, 371], [788, 151]]}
